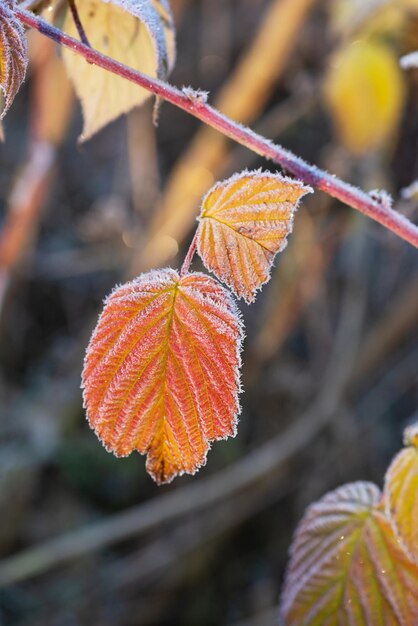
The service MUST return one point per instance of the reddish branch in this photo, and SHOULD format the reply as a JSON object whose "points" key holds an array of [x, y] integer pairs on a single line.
{"points": [[309, 174]]}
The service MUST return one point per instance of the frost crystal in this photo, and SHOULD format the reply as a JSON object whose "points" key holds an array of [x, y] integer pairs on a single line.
{"points": [[196, 95]]}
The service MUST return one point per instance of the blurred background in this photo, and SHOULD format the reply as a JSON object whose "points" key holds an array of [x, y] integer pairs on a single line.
{"points": [[330, 359]]}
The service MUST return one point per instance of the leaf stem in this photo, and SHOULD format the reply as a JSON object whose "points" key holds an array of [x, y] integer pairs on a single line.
{"points": [[309, 174], [77, 22], [189, 256]]}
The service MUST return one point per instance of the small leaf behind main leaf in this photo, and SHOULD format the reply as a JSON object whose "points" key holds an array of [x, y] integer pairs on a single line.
{"points": [[347, 566], [138, 33], [161, 374], [401, 492], [13, 53], [244, 223]]}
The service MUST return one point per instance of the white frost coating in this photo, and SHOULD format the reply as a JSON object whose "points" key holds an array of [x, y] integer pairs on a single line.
{"points": [[259, 172], [206, 331], [409, 61], [240, 248], [326, 528], [198, 96], [382, 197], [410, 434]]}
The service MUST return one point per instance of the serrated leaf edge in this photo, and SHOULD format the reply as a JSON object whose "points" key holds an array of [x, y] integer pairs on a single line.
{"points": [[231, 180]]}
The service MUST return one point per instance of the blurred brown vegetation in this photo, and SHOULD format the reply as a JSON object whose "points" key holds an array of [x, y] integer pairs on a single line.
{"points": [[330, 361]]}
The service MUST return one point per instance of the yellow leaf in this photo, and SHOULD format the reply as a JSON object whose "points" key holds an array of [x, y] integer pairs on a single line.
{"points": [[348, 15], [401, 493], [137, 33], [244, 223], [161, 371], [13, 54], [377, 18], [347, 567], [365, 93]]}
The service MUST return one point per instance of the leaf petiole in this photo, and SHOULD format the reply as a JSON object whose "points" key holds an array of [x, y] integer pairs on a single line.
{"points": [[77, 22]]}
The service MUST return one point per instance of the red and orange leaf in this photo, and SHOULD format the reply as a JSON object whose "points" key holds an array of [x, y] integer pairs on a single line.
{"points": [[13, 53], [401, 493], [161, 374], [347, 567], [243, 224]]}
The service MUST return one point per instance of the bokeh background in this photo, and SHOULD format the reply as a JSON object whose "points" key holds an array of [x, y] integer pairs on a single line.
{"points": [[330, 360]]}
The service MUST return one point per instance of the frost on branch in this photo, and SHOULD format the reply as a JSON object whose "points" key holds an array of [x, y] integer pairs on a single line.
{"points": [[244, 223], [347, 566], [409, 61], [13, 53], [161, 374], [382, 197], [197, 96], [138, 33]]}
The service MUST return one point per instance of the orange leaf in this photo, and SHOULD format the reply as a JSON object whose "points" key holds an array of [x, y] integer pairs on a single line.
{"points": [[401, 493], [347, 566], [161, 374], [13, 53], [243, 224]]}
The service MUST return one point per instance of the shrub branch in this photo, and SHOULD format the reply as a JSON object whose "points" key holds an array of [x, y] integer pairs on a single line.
{"points": [[381, 212]]}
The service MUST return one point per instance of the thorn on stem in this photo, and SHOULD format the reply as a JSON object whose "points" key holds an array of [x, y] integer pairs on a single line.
{"points": [[382, 197], [197, 96]]}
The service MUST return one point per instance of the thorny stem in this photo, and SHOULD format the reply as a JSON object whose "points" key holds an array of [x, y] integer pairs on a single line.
{"points": [[77, 22], [309, 174]]}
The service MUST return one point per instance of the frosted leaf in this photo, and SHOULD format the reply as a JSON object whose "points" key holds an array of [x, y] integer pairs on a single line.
{"points": [[138, 33], [244, 222], [347, 566], [161, 374], [401, 492]]}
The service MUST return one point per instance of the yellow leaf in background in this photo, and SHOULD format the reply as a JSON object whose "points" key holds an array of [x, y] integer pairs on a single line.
{"points": [[401, 493], [347, 567], [348, 16], [244, 223], [365, 93], [13, 54], [138, 33]]}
